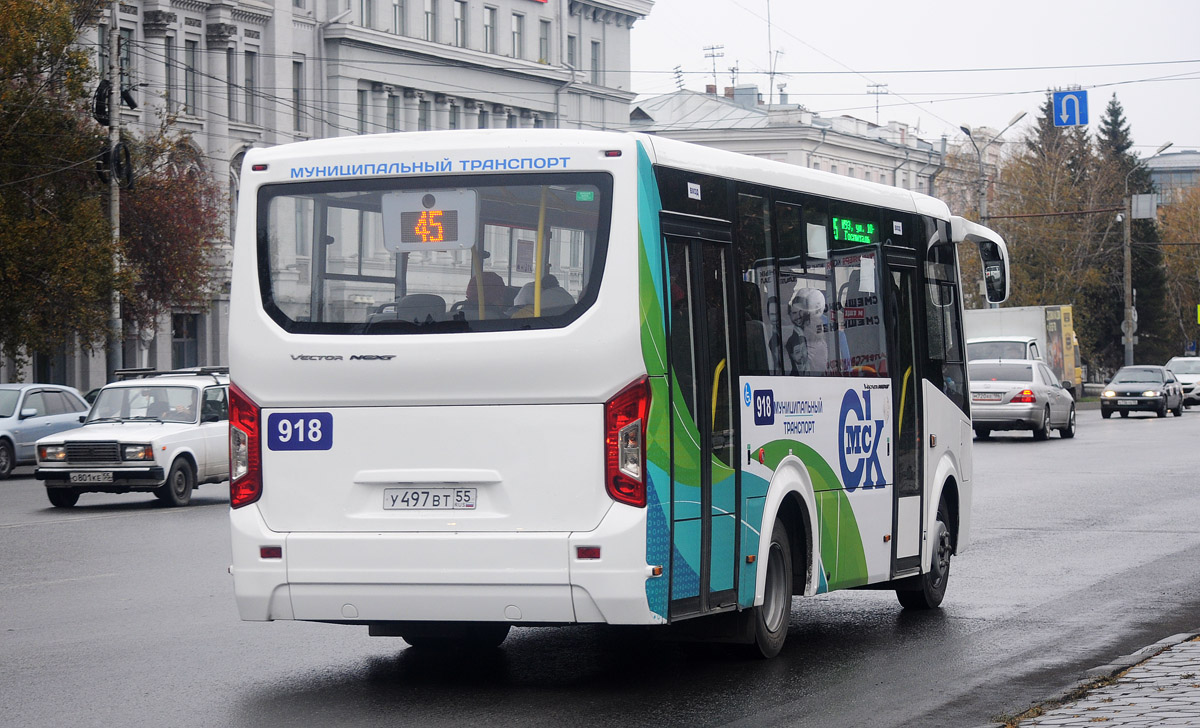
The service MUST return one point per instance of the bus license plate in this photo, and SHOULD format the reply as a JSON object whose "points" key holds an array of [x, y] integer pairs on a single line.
{"points": [[417, 499], [91, 477]]}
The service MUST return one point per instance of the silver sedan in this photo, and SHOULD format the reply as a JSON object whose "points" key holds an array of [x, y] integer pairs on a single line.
{"points": [[1019, 394]]}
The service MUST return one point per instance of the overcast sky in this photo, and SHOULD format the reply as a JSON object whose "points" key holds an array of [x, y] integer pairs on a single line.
{"points": [[937, 58]]}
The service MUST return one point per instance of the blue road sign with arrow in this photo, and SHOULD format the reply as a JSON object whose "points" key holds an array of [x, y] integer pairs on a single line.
{"points": [[1070, 108]]}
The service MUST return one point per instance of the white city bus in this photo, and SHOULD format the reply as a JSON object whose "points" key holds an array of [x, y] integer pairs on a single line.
{"points": [[530, 377]]}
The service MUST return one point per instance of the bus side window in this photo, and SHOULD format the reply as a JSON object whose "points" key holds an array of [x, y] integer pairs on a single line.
{"points": [[946, 363]]}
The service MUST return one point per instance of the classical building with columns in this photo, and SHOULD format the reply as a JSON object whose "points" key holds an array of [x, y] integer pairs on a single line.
{"points": [[244, 73]]}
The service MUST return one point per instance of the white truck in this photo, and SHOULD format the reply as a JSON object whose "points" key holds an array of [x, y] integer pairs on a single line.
{"points": [[1027, 332]]}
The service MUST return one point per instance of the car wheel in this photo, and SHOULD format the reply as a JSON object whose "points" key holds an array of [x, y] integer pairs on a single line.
{"points": [[1124, 413], [1043, 431], [771, 620], [933, 583], [62, 497], [1105, 413], [1178, 411], [983, 433], [463, 635], [177, 491], [6, 459], [1069, 431], [1162, 408]]}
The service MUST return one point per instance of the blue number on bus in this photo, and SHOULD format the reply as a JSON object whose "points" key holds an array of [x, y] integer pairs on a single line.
{"points": [[300, 431]]}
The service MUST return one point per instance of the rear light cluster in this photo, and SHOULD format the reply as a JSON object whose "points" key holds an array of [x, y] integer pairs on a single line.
{"points": [[245, 458], [1025, 397], [625, 443]]}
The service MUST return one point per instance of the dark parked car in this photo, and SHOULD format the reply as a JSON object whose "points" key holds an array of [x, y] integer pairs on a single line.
{"points": [[30, 411], [1142, 388]]}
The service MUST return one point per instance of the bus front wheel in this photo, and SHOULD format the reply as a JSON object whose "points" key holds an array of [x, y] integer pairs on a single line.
{"points": [[933, 583], [772, 618]]}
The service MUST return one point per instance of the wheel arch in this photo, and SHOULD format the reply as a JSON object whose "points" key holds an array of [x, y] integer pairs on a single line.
{"points": [[790, 498]]}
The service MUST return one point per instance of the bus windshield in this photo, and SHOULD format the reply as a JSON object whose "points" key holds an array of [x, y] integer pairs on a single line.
{"points": [[444, 255]]}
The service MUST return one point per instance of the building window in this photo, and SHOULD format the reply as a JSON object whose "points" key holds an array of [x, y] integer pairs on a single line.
{"points": [[191, 77], [366, 17], [363, 108], [518, 35], [125, 57], [393, 112], [424, 109], [298, 94], [297, 3], [251, 87], [172, 91], [572, 51], [431, 20], [398, 17], [596, 77], [231, 83], [489, 30], [544, 41], [454, 118], [185, 340], [460, 23]]}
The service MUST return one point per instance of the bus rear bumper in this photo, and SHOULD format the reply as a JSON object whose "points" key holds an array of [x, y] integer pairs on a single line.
{"points": [[535, 578]]}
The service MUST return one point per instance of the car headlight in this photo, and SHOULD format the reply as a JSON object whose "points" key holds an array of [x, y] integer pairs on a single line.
{"points": [[137, 452], [1150, 393], [52, 453], [1109, 393]]}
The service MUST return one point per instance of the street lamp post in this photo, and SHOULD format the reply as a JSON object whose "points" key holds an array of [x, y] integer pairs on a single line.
{"points": [[981, 197], [1127, 325]]}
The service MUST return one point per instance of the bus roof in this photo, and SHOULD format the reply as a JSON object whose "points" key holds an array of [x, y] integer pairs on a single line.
{"points": [[430, 148]]}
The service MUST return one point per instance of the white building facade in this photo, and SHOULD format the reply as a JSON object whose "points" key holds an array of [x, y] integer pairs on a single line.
{"points": [[244, 73]]}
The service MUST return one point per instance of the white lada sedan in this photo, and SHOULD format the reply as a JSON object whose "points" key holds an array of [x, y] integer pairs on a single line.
{"points": [[163, 434]]}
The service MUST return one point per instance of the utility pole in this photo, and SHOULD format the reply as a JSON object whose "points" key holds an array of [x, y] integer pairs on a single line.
{"points": [[115, 352], [1129, 322]]}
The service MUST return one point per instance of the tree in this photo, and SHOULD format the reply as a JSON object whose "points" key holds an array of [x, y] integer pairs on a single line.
{"points": [[169, 221], [1180, 225], [55, 251], [1114, 144], [1065, 242], [57, 255]]}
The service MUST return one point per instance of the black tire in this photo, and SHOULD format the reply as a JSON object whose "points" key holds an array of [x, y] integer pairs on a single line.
{"points": [[1041, 433], [934, 582], [1068, 431], [62, 497], [462, 635], [177, 491], [1162, 408], [7, 461], [983, 433], [1178, 411], [771, 620], [1105, 413], [1124, 413]]}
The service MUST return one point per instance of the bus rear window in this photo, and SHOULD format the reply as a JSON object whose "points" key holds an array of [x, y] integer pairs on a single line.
{"points": [[441, 255]]}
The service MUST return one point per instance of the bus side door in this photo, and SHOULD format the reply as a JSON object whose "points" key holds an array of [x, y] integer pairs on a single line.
{"points": [[704, 477]]}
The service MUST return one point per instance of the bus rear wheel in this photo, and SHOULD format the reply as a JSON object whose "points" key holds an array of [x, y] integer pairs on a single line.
{"points": [[772, 618], [933, 583]]}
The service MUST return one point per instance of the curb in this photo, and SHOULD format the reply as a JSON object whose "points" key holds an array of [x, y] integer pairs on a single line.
{"points": [[1118, 665]]}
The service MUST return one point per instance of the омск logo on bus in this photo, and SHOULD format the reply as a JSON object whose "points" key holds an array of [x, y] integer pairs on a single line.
{"points": [[858, 442]]}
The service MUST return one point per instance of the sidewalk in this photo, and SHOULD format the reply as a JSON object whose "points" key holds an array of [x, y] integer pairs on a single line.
{"points": [[1156, 686]]}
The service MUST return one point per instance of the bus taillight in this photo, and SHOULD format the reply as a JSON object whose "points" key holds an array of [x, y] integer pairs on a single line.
{"points": [[625, 443], [245, 460]]}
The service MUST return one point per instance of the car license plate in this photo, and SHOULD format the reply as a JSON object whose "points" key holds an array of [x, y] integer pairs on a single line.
{"points": [[417, 499], [1127, 402], [91, 477], [986, 396]]}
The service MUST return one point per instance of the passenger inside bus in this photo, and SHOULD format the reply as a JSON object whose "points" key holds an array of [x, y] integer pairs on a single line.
{"points": [[491, 290], [555, 299]]}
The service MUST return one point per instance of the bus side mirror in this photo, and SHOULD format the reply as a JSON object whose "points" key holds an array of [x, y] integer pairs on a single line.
{"points": [[992, 251]]}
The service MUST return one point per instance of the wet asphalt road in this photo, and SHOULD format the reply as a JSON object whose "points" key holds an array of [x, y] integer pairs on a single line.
{"points": [[120, 612]]}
